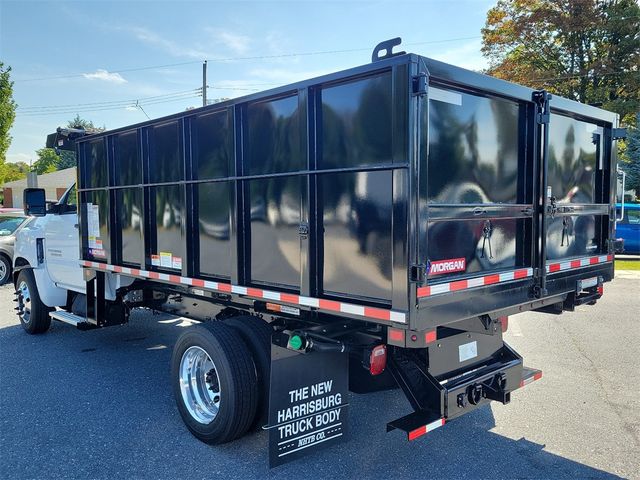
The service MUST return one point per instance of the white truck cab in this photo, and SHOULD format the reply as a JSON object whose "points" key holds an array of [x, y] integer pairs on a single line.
{"points": [[47, 273]]}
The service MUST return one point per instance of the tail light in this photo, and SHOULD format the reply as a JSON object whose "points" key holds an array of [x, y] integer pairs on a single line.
{"points": [[504, 321], [378, 359], [600, 289]]}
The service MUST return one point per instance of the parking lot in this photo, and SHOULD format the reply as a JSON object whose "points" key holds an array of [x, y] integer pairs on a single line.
{"points": [[97, 404]]}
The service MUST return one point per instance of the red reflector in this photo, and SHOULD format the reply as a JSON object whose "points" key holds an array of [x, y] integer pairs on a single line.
{"points": [[378, 360], [504, 321], [430, 336], [418, 432], [600, 290], [396, 335]]}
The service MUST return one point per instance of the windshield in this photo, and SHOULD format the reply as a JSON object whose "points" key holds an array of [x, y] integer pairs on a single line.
{"points": [[8, 225]]}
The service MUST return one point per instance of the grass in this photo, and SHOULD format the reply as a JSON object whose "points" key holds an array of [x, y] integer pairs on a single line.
{"points": [[627, 265]]}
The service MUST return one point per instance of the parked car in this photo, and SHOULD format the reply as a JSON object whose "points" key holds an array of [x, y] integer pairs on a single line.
{"points": [[629, 227], [10, 223]]}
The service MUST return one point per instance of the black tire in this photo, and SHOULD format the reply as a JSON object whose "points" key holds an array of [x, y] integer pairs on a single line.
{"points": [[256, 333], [5, 270], [237, 381], [34, 315]]}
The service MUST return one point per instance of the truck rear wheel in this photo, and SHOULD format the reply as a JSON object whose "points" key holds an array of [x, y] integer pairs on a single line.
{"points": [[33, 314], [256, 333], [214, 382]]}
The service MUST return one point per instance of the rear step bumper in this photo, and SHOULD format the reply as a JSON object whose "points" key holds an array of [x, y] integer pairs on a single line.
{"points": [[457, 396]]}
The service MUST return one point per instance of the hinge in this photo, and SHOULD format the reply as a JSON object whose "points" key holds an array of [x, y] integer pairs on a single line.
{"points": [[618, 133], [541, 99], [552, 208], [420, 84], [418, 272], [303, 230]]}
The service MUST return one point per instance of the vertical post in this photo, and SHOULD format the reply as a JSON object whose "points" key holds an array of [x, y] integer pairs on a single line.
{"points": [[32, 180], [204, 83]]}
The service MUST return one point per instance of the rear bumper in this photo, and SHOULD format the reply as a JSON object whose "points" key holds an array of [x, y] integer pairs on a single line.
{"points": [[465, 393]]}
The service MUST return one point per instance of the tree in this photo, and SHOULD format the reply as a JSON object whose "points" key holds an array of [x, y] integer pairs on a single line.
{"points": [[587, 50], [47, 161], [79, 122], [14, 171], [7, 110], [50, 161], [630, 159]]}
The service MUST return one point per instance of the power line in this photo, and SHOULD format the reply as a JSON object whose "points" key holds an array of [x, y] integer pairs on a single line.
{"points": [[106, 107], [183, 92], [124, 103], [234, 59], [120, 70]]}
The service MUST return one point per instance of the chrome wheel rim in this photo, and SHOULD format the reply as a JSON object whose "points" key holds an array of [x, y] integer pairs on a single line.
{"points": [[199, 385], [3, 271], [24, 302]]}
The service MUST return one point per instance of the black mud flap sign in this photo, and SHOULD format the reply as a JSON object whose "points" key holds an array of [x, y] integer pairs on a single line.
{"points": [[308, 403]]}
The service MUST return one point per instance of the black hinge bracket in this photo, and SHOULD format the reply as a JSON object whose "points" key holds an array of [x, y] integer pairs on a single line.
{"points": [[541, 99], [619, 133], [420, 84], [418, 272]]}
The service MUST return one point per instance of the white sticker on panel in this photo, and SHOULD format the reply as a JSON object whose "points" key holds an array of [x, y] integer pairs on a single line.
{"points": [[468, 351]]}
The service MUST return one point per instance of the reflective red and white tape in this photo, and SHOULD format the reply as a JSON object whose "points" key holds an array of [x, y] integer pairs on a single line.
{"points": [[317, 303], [418, 432], [578, 263], [438, 288], [531, 379], [485, 280]]}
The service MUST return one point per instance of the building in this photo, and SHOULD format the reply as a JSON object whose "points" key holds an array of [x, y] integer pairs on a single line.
{"points": [[54, 184]]}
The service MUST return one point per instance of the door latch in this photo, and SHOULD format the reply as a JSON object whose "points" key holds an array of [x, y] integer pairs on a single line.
{"points": [[303, 230]]}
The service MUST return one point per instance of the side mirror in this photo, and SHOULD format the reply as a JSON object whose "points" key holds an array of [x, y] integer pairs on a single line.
{"points": [[34, 202]]}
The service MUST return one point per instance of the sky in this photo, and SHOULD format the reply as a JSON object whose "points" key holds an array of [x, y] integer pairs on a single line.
{"points": [[98, 59]]}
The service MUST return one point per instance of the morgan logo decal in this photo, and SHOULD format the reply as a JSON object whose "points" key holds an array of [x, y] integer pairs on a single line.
{"points": [[448, 266]]}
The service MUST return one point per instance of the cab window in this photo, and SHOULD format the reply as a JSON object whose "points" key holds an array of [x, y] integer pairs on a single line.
{"points": [[69, 201]]}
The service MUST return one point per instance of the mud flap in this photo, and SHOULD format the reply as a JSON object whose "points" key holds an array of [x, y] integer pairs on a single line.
{"points": [[308, 402]]}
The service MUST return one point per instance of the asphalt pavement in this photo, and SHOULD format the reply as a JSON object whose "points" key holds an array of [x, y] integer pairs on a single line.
{"points": [[98, 404]]}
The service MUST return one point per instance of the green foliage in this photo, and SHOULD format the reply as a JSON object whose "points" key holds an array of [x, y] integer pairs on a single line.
{"points": [[79, 122], [13, 171], [47, 161], [7, 110], [66, 159], [587, 50], [630, 159]]}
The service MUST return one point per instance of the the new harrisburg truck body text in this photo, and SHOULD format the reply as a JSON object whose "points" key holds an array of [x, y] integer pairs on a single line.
{"points": [[368, 229]]}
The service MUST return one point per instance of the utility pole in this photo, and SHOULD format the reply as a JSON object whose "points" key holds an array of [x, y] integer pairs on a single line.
{"points": [[204, 84]]}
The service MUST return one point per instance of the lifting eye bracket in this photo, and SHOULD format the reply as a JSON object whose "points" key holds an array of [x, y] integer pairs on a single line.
{"points": [[387, 48]]}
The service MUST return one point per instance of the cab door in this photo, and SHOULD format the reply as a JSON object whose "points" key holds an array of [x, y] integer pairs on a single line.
{"points": [[62, 243]]}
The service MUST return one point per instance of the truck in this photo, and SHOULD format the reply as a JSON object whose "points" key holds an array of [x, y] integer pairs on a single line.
{"points": [[365, 230]]}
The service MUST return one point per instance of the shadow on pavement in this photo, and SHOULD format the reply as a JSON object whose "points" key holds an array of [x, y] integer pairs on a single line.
{"points": [[98, 404]]}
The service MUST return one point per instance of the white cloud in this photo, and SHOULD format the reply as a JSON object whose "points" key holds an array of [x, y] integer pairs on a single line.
{"points": [[235, 42], [151, 38], [100, 74], [131, 108]]}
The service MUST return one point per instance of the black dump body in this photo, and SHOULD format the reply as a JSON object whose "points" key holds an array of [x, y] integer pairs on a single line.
{"points": [[406, 192]]}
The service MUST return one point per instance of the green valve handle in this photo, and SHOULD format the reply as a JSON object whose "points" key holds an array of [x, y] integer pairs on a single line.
{"points": [[296, 342]]}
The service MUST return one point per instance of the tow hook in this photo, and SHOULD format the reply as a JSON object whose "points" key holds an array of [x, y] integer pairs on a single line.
{"points": [[475, 394]]}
